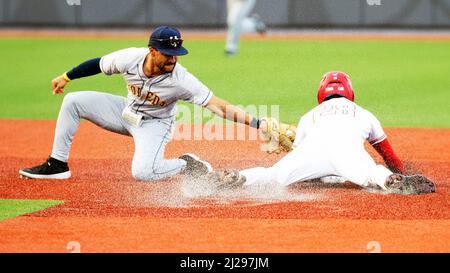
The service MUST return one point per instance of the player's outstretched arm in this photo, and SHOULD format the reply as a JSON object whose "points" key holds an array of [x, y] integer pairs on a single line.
{"points": [[276, 136], [87, 68], [231, 112], [394, 163]]}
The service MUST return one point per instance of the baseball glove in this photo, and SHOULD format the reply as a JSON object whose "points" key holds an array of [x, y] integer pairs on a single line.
{"points": [[278, 137]]}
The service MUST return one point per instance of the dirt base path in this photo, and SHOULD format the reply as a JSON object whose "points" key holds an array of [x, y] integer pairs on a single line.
{"points": [[106, 210], [220, 34]]}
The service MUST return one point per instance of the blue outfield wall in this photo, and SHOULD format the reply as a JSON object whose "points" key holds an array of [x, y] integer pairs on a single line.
{"points": [[212, 13]]}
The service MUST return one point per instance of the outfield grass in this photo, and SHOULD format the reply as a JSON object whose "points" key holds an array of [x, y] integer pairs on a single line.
{"points": [[10, 208], [404, 83]]}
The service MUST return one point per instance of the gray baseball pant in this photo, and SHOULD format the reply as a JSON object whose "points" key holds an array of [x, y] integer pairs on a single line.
{"points": [[105, 110]]}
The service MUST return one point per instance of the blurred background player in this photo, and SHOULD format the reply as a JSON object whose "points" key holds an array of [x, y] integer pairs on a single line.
{"points": [[330, 141], [239, 21]]}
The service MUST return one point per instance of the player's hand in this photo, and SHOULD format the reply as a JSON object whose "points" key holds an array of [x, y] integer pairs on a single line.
{"points": [[58, 85], [268, 126], [263, 125]]}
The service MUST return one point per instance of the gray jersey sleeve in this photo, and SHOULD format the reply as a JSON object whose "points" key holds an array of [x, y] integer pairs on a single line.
{"points": [[120, 61], [192, 89]]}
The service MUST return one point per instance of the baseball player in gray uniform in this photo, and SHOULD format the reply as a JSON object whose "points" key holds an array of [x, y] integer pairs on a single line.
{"points": [[155, 82]]}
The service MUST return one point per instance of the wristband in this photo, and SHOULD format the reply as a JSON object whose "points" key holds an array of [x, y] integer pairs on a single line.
{"points": [[65, 77], [255, 123]]}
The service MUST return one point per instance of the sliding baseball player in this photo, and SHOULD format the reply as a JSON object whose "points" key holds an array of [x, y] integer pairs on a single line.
{"points": [[329, 141]]}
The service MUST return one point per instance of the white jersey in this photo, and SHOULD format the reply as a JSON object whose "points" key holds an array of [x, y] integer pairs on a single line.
{"points": [[339, 121], [154, 96], [329, 142]]}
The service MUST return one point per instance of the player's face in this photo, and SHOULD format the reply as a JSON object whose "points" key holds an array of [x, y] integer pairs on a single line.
{"points": [[165, 63]]}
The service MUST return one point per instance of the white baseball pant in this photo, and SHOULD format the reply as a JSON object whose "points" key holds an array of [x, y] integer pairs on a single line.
{"points": [[308, 162]]}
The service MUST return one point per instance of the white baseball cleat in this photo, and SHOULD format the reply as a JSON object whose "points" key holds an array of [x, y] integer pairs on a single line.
{"points": [[332, 179]]}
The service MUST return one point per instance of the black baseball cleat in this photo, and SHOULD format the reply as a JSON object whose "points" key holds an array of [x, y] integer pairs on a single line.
{"points": [[50, 169], [195, 166], [414, 184], [230, 52], [261, 28]]}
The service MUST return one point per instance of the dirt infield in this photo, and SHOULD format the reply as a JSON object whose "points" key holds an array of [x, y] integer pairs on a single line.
{"points": [[106, 210], [283, 35]]}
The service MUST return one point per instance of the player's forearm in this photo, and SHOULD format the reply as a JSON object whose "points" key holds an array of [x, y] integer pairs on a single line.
{"points": [[85, 69], [393, 162], [236, 114], [230, 112]]}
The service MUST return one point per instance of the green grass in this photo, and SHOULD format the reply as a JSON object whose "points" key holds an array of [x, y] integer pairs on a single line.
{"points": [[404, 83], [12, 208]]}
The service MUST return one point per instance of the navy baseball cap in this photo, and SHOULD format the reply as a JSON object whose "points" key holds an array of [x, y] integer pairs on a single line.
{"points": [[168, 41]]}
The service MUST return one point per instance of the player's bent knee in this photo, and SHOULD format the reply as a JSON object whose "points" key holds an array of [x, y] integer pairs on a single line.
{"points": [[71, 100]]}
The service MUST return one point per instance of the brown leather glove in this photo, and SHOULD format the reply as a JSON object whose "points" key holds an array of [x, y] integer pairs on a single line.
{"points": [[278, 137]]}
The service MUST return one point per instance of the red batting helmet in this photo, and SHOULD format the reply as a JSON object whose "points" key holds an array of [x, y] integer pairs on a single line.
{"points": [[335, 83]]}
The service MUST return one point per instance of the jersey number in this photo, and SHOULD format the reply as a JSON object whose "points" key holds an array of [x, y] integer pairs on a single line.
{"points": [[336, 110]]}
